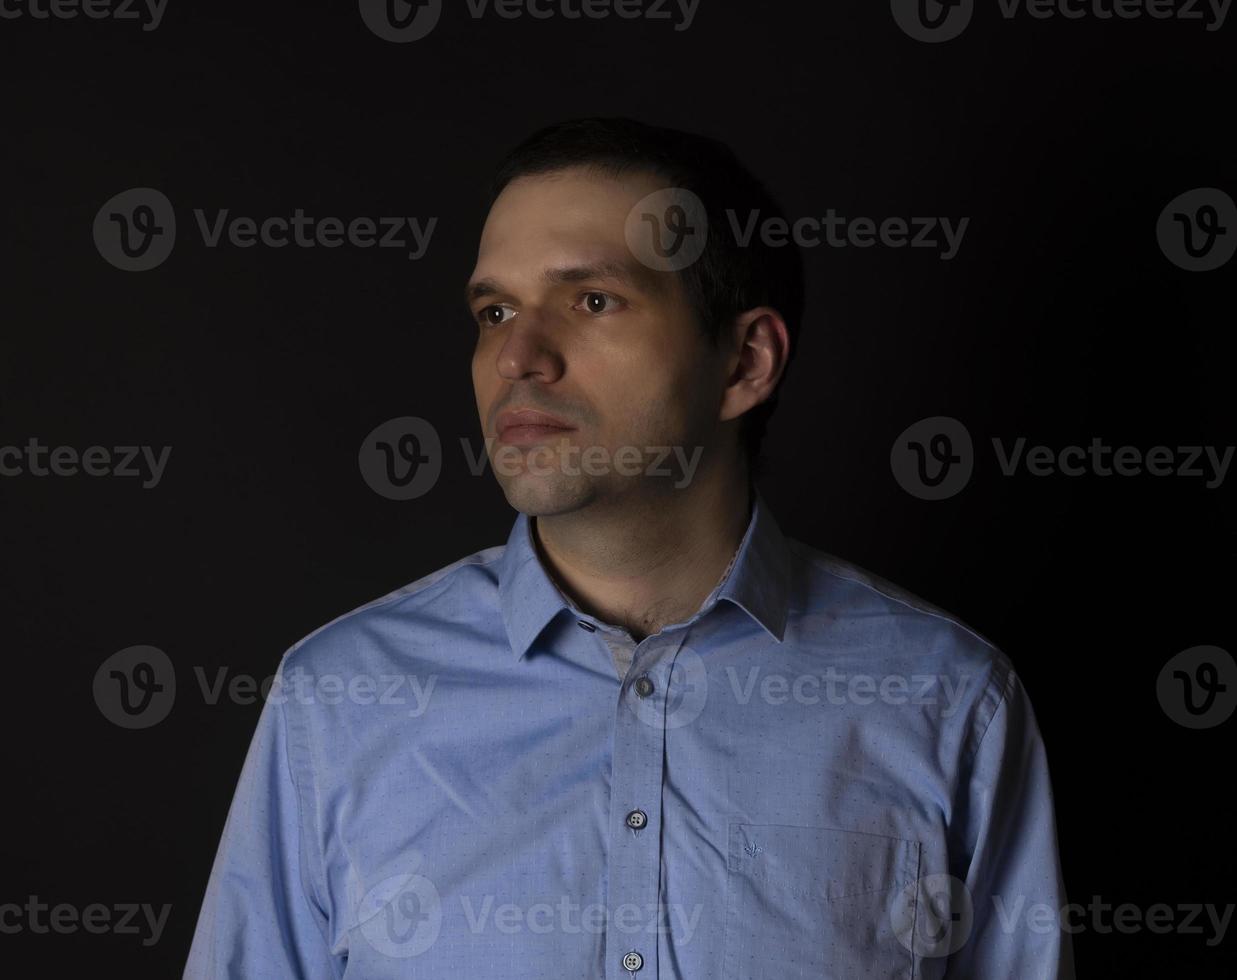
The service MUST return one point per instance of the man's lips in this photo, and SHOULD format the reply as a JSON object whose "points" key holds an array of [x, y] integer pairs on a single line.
{"points": [[527, 425]]}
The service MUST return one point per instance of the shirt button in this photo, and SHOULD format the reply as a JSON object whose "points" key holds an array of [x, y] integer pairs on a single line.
{"points": [[637, 819], [587, 626], [644, 686], [633, 961]]}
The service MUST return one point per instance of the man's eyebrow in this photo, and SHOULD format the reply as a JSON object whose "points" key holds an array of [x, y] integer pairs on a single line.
{"points": [[605, 269], [480, 289], [620, 272]]}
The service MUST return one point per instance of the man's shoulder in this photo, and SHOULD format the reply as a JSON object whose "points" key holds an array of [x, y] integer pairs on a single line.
{"points": [[838, 588], [453, 594], [886, 631]]}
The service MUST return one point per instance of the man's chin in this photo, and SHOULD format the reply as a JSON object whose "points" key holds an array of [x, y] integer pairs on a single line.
{"points": [[546, 496]]}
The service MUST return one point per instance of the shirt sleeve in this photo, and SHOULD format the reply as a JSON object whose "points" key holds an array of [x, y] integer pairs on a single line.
{"points": [[1012, 871], [258, 919]]}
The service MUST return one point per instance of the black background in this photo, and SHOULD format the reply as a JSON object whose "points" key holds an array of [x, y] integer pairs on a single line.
{"points": [[1059, 320]]}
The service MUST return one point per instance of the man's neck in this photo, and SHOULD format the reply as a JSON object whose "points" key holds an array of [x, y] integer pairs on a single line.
{"points": [[643, 563]]}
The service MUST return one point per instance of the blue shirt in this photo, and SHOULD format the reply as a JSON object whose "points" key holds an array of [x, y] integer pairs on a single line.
{"points": [[816, 775]]}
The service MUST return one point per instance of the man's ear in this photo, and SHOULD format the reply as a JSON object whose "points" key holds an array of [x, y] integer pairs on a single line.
{"points": [[761, 347]]}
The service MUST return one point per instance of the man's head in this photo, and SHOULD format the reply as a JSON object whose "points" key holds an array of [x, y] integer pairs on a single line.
{"points": [[630, 355]]}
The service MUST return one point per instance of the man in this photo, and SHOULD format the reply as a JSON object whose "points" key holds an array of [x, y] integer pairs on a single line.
{"points": [[652, 736]]}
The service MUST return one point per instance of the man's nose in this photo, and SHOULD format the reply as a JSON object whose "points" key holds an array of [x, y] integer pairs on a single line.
{"points": [[530, 350]]}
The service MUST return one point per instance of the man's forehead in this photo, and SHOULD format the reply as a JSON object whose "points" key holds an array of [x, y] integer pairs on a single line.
{"points": [[550, 223], [582, 179], [582, 233], [567, 202], [565, 226]]}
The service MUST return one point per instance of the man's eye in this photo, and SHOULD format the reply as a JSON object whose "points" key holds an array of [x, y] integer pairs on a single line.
{"points": [[595, 302], [492, 316]]}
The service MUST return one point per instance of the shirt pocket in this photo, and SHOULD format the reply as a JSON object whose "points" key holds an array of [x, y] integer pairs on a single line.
{"points": [[815, 902]]}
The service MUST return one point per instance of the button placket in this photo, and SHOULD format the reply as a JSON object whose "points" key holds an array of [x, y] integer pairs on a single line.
{"points": [[635, 805]]}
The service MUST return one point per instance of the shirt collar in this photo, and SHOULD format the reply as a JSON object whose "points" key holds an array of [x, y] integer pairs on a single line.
{"points": [[757, 582]]}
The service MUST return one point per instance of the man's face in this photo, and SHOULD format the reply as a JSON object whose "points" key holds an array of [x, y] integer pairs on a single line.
{"points": [[571, 324]]}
